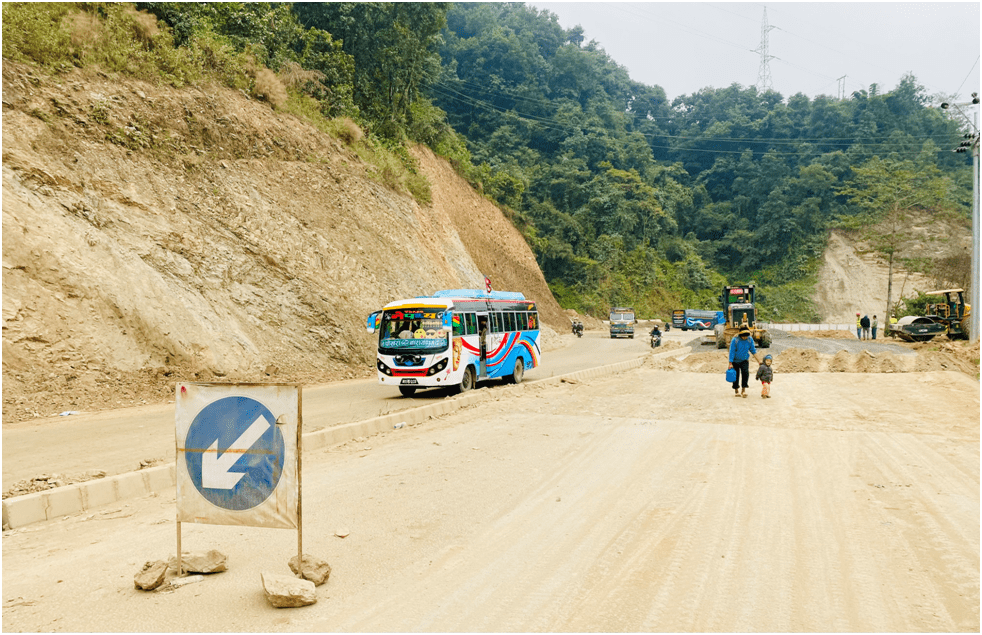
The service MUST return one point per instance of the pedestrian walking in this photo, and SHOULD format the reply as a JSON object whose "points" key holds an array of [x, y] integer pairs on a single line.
{"points": [[865, 324], [765, 375], [741, 348], [873, 326], [859, 328]]}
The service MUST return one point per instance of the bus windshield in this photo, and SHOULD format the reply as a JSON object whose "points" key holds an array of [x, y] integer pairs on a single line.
{"points": [[621, 317], [416, 330]]}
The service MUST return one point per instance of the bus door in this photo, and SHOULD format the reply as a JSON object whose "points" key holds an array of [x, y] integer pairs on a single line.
{"points": [[484, 337]]}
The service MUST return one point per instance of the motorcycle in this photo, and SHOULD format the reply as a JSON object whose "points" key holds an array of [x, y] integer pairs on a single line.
{"points": [[655, 339], [578, 329]]}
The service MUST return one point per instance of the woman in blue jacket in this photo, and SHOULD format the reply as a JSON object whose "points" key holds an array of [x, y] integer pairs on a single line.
{"points": [[741, 348]]}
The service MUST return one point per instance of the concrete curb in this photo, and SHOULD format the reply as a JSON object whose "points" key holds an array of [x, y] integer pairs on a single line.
{"points": [[58, 502]]}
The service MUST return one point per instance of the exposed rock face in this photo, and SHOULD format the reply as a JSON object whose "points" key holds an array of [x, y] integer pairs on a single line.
{"points": [[314, 569], [151, 576], [212, 561], [236, 242], [284, 591], [853, 277]]}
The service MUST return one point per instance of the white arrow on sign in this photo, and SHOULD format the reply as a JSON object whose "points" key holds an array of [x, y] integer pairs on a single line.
{"points": [[215, 469]]}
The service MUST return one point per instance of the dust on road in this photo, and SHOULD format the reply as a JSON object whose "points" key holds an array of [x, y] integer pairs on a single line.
{"points": [[645, 501]]}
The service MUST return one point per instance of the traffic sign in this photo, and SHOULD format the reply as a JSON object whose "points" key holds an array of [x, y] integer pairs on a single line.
{"points": [[237, 454]]}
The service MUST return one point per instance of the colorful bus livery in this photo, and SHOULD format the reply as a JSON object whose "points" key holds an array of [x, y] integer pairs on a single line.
{"points": [[697, 320], [455, 338]]}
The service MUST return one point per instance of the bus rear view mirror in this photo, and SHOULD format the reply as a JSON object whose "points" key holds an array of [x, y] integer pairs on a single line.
{"points": [[373, 321]]}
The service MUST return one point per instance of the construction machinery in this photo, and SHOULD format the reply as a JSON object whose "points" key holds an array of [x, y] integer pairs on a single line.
{"points": [[915, 328], [949, 317], [953, 313], [739, 311]]}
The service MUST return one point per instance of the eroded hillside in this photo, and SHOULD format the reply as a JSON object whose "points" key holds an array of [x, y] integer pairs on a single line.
{"points": [[152, 235], [853, 277]]}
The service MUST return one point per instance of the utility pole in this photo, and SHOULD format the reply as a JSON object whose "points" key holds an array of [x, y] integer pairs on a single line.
{"points": [[972, 144], [842, 87], [764, 74]]}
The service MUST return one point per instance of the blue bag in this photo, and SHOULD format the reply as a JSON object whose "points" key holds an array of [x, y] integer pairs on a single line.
{"points": [[731, 375]]}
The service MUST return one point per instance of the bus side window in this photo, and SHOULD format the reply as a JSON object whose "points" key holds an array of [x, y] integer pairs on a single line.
{"points": [[533, 321], [471, 321], [458, 325], [509, 321], [523, 321], [496, 322]]}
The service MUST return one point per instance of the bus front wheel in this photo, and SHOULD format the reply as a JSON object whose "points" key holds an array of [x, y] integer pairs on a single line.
{"points": [[468, 381], [519, 373]]}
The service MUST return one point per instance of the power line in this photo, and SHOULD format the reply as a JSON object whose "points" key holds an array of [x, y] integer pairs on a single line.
{"points": [[967, 76], [652, 18], [489, 106], [842, 142]]}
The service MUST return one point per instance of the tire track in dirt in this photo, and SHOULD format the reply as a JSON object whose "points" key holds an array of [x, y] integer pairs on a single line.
{"points": [[916, 515]]}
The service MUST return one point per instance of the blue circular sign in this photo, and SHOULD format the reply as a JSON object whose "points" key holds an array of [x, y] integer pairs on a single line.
{"points": [[235, 453]]}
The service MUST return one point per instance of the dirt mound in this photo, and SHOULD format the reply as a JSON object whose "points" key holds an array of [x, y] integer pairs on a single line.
{"points": [[590, 323], [950, 356], [798, 360], [154, 235]]}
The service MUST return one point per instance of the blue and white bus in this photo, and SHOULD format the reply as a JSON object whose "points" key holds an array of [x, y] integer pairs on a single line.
{"points": [[455, 338]]}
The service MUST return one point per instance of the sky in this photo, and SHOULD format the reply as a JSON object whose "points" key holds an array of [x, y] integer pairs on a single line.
{"points": [[686, 46]]}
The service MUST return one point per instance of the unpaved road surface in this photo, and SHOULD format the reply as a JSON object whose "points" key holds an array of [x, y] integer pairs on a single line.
{"points": [[116, 441], [651, 500]]}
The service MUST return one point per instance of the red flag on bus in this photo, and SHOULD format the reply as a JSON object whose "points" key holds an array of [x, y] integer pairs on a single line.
{"points": [[487, 283]]}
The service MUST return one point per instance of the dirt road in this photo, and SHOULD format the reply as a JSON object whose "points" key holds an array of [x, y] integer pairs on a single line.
{"points": [[646, 501]]}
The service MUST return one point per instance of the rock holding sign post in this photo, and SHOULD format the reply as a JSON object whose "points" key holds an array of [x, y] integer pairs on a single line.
{"points": [[287, 591], [314, 569]]}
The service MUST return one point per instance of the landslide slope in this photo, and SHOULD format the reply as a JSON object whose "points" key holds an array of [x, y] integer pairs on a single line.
{"points": [[853, 277], [154, 235]]}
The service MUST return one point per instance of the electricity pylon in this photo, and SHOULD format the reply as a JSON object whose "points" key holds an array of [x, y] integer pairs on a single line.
{"points": [[764, 74]]}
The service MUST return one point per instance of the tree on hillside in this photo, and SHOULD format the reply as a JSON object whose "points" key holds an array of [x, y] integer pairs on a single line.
{"points": [[887, 191], [395, 50]]}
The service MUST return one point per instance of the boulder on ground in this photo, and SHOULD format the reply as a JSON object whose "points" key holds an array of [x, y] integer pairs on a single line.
{"points": [[285, 591], [314, 569], [211, 561], [151, 576]]}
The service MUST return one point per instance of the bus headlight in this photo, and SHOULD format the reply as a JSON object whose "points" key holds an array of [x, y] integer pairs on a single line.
{"points": [[382, 368], [436, 368]]}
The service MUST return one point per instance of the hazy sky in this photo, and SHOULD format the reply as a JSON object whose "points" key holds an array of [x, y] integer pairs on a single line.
{"points": [[685, 46]]}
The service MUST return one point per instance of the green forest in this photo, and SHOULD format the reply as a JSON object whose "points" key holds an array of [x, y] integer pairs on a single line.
{"points": [[625, 197]]}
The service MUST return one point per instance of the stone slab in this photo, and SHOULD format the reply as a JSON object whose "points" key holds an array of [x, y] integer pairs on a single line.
{"points": [[98, 492], [62, 501]]}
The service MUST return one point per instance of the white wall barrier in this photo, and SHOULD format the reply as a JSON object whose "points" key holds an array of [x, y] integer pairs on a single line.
{"points": [[808, 327]]}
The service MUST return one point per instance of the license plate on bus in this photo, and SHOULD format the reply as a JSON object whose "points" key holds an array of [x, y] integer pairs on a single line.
{"points": [[410, 382]]}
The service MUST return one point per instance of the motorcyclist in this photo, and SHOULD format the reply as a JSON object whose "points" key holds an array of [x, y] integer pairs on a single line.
{"points": [[655, 335]]}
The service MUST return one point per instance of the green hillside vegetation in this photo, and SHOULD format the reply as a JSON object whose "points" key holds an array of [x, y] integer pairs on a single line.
{"points": [[625, 197]]}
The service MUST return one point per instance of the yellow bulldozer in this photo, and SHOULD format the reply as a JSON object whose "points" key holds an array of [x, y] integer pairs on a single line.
{"points": [[740, 310]]}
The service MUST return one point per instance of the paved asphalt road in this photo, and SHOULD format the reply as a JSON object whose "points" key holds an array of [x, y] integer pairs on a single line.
{"points": [[117, 440]]}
